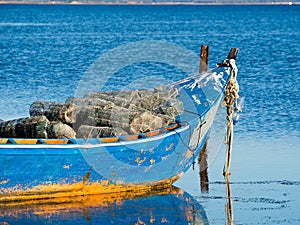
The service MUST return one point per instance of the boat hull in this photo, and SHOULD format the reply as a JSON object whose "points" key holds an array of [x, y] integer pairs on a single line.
{"points": [[90, 169], [95, 166]]}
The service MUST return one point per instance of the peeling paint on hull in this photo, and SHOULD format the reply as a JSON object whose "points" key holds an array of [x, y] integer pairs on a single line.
{"points": [[48, 192]]}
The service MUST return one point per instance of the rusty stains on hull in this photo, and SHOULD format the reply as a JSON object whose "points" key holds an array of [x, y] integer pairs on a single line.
{"points": [[52, 191]]}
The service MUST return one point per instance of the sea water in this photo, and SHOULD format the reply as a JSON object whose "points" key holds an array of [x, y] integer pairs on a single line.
{"points": [[46, 51]]}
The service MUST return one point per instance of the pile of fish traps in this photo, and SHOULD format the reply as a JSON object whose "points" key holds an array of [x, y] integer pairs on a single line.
{"points": [[98, 114]]}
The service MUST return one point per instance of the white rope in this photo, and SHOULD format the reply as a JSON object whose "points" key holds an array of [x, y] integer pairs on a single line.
{"points": [[230, 101]]}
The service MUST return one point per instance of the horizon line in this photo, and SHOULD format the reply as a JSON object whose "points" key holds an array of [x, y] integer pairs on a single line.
{"points": [[145, 3]]}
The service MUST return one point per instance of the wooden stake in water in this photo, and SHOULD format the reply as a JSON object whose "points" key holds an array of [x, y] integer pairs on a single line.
{"points": [[231, 94], [204, 58], [203, 153]]}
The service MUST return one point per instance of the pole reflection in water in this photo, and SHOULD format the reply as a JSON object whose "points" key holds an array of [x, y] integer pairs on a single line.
{"points": [[202, 160], [170, 206], [228, 205], [204, 184]]}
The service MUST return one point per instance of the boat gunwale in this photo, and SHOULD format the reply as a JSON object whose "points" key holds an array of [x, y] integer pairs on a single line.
{"points": [[88, 145]]}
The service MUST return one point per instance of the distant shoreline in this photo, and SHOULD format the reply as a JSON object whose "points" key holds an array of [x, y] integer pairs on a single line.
{"points": [[144, 3]]}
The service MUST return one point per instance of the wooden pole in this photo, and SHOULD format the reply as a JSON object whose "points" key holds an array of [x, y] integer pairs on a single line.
{"points": [[203, 154], [204, 58], [226, 171], [229, 89], [233, 53]]}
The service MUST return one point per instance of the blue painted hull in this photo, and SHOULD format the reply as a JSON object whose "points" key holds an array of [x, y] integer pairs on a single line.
{"points": [[30, 171]]}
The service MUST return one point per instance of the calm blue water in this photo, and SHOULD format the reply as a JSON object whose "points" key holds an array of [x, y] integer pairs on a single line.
{"points": [[46, 50]]}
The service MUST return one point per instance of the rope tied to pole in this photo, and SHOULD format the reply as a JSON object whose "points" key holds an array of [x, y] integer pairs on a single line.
{"points": [[230, 102]]}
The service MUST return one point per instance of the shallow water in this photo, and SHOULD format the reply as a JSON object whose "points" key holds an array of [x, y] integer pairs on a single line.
{"points": [[45, 51], [264, 184]]}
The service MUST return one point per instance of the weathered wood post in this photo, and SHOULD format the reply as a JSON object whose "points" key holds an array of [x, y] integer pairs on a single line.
{"points": [[229, 102], [203, 154], [204, 58], [233, 53]]}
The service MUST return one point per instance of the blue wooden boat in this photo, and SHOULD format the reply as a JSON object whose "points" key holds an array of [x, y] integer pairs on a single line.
{"points": [[48, 168]]}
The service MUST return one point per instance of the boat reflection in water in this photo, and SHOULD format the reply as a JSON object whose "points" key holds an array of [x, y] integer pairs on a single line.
{"points": [[169, 206]]}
